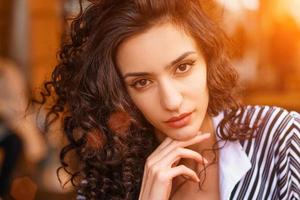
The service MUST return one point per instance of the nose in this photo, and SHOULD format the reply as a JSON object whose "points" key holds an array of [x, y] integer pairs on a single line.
{"points": [[170, 95]]}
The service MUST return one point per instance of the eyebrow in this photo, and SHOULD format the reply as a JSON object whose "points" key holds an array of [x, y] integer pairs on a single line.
{"points": [[177, 60]]}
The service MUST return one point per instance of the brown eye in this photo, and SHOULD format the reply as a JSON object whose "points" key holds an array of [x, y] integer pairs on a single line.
{"points": [[139, 84], [142, 82], [182, 68]]}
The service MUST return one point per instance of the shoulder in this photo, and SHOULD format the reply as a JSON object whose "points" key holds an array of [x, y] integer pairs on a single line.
{"points": [[256, 120], [273, 153], [275, 128], [270, 118]]}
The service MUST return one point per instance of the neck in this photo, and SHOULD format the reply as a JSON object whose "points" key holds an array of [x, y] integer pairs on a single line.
{"points": [[206, 127]]}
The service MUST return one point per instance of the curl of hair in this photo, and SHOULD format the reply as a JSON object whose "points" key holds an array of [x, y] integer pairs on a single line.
{"points": [[88, 89]]}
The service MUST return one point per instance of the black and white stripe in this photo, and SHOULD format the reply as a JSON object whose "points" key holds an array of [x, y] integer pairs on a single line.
{"points": [[274, 154]]}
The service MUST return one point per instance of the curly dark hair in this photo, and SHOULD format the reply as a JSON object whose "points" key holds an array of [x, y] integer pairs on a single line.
{"points": [[109, 135]]}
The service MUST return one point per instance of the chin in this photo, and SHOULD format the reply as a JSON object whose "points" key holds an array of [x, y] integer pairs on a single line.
{"points": [[184, 133]]}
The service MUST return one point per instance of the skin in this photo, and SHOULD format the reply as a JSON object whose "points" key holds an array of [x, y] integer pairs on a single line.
{"points": [[162, 88]]}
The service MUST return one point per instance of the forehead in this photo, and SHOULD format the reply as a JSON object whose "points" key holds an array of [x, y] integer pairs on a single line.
{"points": [[154, 48]]}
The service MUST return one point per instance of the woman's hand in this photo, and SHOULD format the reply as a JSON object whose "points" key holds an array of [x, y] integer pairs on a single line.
{"points": [[161, 167]]}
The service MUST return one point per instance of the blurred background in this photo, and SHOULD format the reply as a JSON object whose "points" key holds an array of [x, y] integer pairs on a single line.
{"points": [[266, 43]]}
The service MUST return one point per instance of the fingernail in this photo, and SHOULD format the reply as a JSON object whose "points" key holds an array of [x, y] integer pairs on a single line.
{"points": [[203, 133], [208, 134], [205, 161]]}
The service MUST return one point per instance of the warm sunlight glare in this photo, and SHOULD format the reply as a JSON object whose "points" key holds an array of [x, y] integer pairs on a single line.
{"points": [[237, 5]]}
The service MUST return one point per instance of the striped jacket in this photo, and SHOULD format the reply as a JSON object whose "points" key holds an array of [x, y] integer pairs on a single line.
{"points": [[267, 166]]}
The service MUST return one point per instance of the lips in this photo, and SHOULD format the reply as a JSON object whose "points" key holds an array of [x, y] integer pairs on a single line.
{"points": [[173, 119], [179, 121]]}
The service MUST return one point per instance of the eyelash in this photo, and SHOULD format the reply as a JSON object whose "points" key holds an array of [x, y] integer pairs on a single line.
{"points": [[190, 64]]}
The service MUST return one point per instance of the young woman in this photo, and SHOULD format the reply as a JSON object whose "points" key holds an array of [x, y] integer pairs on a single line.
{"points": [[147, 96]]}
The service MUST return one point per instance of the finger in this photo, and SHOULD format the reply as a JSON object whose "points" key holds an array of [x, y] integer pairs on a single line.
{"points": [[151, 160], [165, 143], [175, 163], [164, 149], [175, 144], [179, 153], [163, 180], [167, 162], [182, 170]]}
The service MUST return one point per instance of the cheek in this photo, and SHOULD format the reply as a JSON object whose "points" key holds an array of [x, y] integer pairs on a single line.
{"points": [[197, 92], [196, 85]]}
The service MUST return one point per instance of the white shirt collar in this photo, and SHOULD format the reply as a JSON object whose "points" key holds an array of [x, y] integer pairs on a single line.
{"points": [[234, 163]]}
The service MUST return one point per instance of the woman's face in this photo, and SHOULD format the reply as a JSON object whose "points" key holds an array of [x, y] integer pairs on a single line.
{"points": [[165, 75]]}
